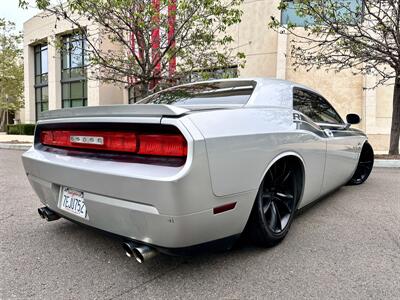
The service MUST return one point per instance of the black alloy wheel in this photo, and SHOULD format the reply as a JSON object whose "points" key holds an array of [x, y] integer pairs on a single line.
{"points": [[365, 165], [276, 202]]}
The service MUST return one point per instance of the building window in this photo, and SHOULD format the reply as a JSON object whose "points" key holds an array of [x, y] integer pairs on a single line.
{"points": [[135, 94], [131, 95], [289, 15], [73, 71], [41, 79]]}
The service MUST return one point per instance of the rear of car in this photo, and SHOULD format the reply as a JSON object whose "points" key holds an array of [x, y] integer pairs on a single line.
{"points": [[137, 171]]}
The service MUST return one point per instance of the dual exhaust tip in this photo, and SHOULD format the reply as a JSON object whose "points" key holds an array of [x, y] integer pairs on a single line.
{"points": [[47, 214], [137, 251]]}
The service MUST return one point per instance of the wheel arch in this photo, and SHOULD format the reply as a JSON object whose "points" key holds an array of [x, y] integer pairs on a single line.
{"points": [[366, 152], [252, 228], [301, 164], [366, 144]]}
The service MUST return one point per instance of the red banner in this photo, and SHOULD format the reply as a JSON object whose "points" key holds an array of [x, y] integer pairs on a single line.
{"points": [[137, 42]]}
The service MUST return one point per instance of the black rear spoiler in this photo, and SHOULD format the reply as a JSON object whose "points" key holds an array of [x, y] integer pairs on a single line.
{"points": [[128, 110]]}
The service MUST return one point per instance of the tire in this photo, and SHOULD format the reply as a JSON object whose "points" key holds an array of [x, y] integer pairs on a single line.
{"points": [[276, 203], [364, 166]]}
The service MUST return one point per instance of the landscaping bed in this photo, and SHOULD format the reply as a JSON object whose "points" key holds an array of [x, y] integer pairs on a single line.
{"points": [[386, 156]]}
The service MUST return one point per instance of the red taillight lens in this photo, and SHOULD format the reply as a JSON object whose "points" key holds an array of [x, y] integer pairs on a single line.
{"points": [[162, 145], [108, 140], [173, 145]]}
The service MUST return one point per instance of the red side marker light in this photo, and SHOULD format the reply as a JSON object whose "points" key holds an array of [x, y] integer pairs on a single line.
{"points": [[223, 208]]}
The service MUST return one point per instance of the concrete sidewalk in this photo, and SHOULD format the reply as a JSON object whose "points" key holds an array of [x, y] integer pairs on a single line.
{"points": [[9, 138], [17, 142]]}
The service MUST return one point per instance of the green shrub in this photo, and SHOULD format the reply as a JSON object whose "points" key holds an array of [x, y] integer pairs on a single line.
{"points": [[23, 129]]}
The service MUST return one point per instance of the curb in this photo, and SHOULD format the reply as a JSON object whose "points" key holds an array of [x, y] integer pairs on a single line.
{"points": [[15, 146], [387, 163]]}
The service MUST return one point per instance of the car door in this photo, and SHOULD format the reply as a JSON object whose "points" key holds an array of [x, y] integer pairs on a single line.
{"points": [[342, 144]]}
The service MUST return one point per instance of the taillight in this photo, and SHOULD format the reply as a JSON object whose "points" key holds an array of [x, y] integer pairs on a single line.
{"points": [[173, 145], [108, 140], [162, 145]]}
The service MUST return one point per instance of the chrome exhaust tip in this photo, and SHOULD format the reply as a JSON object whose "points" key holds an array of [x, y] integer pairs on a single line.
{"points": [[139, 252], [47, 214]]}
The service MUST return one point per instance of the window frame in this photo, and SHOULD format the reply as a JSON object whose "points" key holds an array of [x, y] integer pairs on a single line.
{"points": [[43, 82], [302, 21], [320, 98], [67, 81], [134, 94]]}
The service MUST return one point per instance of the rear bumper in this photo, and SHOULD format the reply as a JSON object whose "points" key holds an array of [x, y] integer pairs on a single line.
{"points": [[172, 209], [221, 244]]}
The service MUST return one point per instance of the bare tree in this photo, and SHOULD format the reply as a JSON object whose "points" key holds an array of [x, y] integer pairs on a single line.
{"points": [[152, 38], [362, 36]]}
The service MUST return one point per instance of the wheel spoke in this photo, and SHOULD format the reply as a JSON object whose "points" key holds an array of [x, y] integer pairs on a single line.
{"points": [[367, 168], [364, 169], [275, 221], [289, 173], [267, 194], [285, 221], [278, 196], [285, 195], [284, 206], [282, 173], [266, 206]]}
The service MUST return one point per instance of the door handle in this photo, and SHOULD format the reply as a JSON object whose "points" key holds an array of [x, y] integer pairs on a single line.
{"points": [[328, 132]]}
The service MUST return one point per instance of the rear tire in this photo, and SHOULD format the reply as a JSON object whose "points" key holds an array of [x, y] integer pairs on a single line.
{"points": [[276, 203], [364, 167]]}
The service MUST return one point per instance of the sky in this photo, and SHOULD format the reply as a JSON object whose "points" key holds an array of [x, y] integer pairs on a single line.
{"points": [[9, 10]]}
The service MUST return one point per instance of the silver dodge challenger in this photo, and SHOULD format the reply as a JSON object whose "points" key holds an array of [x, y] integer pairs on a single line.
{"points": [[193, 167]]}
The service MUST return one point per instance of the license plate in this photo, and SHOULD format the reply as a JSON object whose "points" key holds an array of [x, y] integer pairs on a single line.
{"points": [[73, 202]]}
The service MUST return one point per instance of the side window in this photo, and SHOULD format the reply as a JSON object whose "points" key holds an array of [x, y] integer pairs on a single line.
{"points": [[315, 107]]}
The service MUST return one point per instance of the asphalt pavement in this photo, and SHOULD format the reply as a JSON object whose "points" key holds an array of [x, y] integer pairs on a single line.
{"points": [[347, 246]]}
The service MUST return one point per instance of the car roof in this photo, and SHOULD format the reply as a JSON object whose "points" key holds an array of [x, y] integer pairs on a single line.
{"points": [[267, 92]]}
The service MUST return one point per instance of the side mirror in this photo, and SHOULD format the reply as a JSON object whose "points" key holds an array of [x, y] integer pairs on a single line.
{"points": [[353, 119]]}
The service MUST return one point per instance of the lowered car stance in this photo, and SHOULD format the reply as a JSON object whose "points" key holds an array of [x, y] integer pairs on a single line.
{"points": [[195, 166]]}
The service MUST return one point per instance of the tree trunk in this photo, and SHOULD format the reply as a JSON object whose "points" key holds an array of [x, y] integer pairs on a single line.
{"points": [[395, 130], [143, 91], [3, 120]]}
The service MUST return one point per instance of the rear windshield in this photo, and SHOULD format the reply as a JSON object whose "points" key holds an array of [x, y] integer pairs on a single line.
{"points": [[222, 92]]}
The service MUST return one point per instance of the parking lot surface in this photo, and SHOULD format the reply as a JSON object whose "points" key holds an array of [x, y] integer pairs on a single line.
{"points": [[347, 246]]}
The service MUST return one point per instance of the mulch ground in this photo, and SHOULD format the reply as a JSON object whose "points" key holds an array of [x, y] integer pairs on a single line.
{"points": [[386, 156]]}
